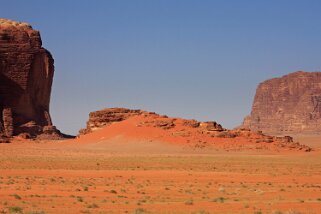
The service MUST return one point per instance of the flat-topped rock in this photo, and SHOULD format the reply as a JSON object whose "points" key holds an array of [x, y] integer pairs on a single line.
{"points": [[289, 104]]}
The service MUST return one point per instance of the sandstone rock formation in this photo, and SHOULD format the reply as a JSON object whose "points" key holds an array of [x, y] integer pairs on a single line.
{"points": [[289, 104], [99, 119], [195, 133], [26, 75], [108, 116]]}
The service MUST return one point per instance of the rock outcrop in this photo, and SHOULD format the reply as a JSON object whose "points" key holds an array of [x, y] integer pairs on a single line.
{"points": [[26, 75], [108, 116], [289, 104], [99, 119], [192, 132]]}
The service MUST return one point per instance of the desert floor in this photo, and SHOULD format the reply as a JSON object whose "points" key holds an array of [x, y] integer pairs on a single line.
{"points": [[107, 177]]}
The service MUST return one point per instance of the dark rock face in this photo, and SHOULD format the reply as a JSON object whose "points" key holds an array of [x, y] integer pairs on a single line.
{"points": [[289, 104], [26, 75]]}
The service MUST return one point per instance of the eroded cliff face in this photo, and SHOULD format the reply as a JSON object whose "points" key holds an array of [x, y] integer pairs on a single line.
{"points": [[289, 104], [26, 75]]}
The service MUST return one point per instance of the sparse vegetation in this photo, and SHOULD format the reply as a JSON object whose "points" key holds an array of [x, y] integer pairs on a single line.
{"points": [[192, 182], [201, 212], [219, 200], [93, 205], [80, 199], [16, 196], [189, 202], [36, 212], [15, 209], [113, 191]]}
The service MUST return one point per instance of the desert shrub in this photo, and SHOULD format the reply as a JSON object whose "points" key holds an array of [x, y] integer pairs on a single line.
{"points": [[200, 212], [113, 191], [80, 199], [139, 211], [93, 205], [15, 209], [219, 200], [36, 212], [189, 202], [16, 196], [293, 212]]}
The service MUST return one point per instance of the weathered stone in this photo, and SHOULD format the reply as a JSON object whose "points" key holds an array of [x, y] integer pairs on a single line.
{"points": [[191, 123], [226, 134], [7, 121], [212, 126], [164, 124], [26, 74], [99, 119], [289, 104], [195, 132]]}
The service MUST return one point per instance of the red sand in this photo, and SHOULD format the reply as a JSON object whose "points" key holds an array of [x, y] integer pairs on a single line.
{"points": [[125, 168]]}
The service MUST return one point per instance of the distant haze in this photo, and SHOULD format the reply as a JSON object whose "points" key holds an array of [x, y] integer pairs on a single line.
{"points": [[194, 59]]}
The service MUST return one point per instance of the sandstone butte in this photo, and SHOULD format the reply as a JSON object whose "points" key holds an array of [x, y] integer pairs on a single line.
{"points": [[26, 75], [138, 125], [287, 105]]}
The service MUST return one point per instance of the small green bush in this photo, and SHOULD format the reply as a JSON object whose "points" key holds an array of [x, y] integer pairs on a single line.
{"points": [[16, 196], [15, 209]]}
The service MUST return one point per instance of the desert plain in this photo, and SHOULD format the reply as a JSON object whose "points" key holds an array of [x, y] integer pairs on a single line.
{"points": [[120, 174]]}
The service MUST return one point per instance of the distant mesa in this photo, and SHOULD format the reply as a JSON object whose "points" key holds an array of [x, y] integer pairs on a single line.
{"points": [[287, 105], [133, 125], [26, 75]]}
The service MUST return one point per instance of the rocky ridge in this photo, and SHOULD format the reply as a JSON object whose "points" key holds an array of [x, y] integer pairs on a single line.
{"points": [[286, 105], [193, 132], [26, 75]]}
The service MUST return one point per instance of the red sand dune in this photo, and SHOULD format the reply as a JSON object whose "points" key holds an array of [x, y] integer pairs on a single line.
{"points": [[152, 128]]}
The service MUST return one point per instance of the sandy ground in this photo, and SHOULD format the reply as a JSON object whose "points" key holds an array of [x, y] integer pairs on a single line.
{"points": [[129, 168], [313, 141], [126, 176]]}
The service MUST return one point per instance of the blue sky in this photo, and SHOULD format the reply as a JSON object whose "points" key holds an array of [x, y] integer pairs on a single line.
{"points": [[187, 58]]}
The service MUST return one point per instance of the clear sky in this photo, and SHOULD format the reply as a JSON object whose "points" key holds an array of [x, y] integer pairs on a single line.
{"points": [[187, 58]]}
